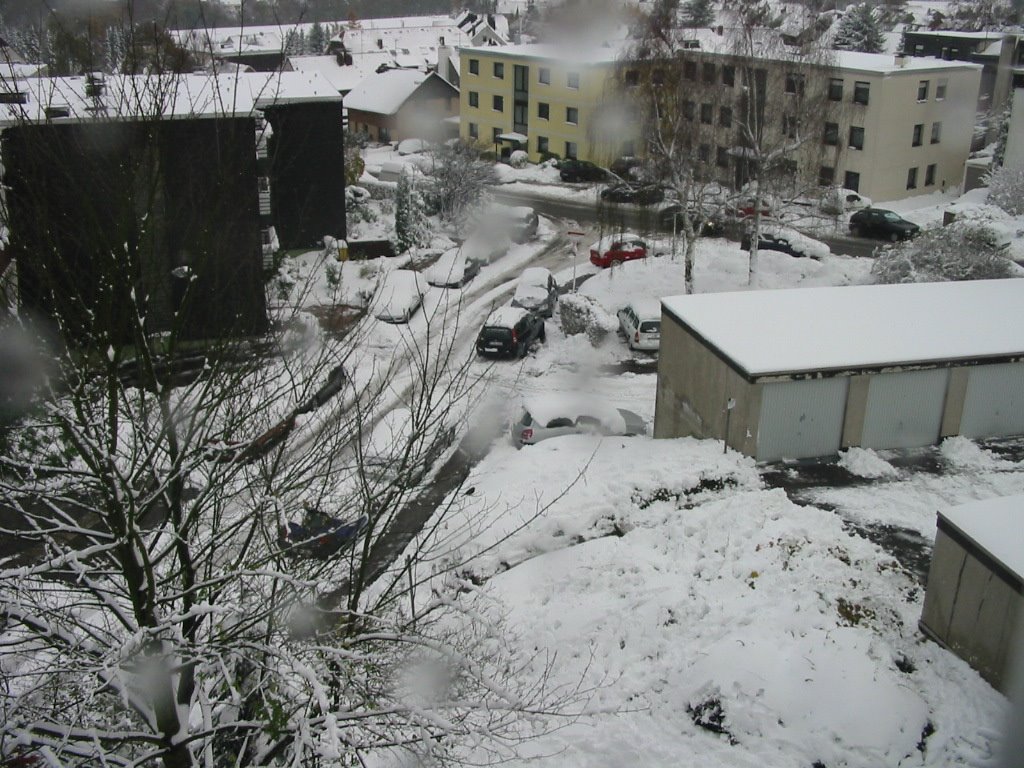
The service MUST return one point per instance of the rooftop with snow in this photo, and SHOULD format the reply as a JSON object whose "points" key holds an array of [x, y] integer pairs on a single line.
{"points": [[854, 327], [995, 526]]}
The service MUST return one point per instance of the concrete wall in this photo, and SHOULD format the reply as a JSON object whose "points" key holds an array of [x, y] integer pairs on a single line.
{"points": [[970, 609], [694, 386], [1014, 156]]}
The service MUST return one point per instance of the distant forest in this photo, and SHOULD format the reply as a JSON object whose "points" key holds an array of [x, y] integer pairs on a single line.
{"points": [[180, 14]]}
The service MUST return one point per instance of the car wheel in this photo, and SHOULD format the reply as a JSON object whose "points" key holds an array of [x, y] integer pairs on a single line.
{"points": [[893, 237], [615, 263], [855, 230]]}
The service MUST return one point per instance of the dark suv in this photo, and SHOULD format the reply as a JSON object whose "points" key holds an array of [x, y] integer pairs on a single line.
{"points": [[509, 332], [880, 223], [581, 170]]}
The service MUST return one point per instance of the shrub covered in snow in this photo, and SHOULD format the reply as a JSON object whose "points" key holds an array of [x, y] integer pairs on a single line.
{"points": [[411, 226], [1006, 189], [964, 250], [582, 314], [518, 159]]}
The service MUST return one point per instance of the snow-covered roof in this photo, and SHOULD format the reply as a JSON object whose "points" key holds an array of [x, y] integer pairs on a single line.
{"points": [[505, 317], [884, 63], [646, 308], [602, 53], [342, 77], [996, 526], [169, 96], [854, 327], [386, 92]]}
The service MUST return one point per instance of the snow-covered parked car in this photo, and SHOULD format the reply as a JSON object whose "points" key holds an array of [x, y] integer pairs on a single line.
{"points": [[640, 321], [398, 296], [452, 269], [555, 415], [319, 535], [486, 244], [412, 146], [840, 200], [787, 240], [536, 291]]}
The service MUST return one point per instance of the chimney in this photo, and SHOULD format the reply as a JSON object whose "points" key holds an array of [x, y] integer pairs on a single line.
{"points": [[901, 60]]}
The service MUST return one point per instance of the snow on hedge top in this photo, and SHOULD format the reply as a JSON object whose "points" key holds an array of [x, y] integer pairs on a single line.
{"points": [[170, 96], [995, 526], [812, 329], [385, 92]]}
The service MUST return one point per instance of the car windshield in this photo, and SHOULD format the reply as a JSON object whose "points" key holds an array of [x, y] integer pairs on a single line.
{"points": [[650, 326], [493, 333]]}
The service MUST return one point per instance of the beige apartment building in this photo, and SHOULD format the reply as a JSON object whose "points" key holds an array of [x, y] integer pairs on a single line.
{"points": [[890, 126]]}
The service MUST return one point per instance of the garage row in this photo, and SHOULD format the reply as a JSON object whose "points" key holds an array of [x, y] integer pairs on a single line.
{"points": [[796, 374]]}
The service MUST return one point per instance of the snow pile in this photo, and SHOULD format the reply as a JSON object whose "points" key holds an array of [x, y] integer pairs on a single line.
{"points": [[864, 462], [966, 454]]}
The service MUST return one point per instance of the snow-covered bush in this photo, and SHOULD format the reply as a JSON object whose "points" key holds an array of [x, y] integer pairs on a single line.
{"points": [[459, 179], [518, 159], [1006, 189], [964, 250], [859, 31], [582, 314], [411, 226]]}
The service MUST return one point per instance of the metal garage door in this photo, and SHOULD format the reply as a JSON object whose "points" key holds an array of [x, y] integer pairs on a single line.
{"points": [[994, 405], [801, 419], [904, 410]]}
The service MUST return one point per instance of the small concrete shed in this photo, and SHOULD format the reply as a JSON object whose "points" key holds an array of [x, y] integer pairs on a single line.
{"points": [[976, 586], [805, 373]]}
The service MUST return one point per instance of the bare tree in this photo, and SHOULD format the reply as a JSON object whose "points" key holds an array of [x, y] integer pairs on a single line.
{"points": [[459, 179], [150, 610], [782, 110]]}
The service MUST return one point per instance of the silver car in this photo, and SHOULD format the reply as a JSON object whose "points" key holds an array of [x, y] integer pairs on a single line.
{"points": [[641, 322], [536, 291], [548, 416]]}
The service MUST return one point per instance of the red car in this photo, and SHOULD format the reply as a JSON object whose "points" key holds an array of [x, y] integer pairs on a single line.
{"points": [[612, 251]]}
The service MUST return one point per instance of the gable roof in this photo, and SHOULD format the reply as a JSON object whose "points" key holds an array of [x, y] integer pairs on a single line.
{"points": [[385, 93]]}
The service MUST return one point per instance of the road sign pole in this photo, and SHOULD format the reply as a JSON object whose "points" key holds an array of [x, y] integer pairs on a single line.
{"points": [[575, 236]]}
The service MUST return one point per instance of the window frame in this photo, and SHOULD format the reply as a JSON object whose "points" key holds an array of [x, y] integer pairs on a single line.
{"points": [[861, 92], [473, 129], [851, 181], [543, 145], [569, 112], [572, 80], [858, 131], [831, 132], [912, 178], [936, 137], [725, 117], [544, 75], [543, 110], [940, 88], [707, 113], [835, 89], [474, 66], [571, 153], [795, 83], [729, 75], [498, 102], [474, 99], [930, 172], [918, 137], [498, 70], [923, 87], [826, 175]]}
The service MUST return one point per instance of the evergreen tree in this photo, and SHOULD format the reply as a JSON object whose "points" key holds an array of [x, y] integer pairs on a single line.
{"points": [[411, 228], [698, 13], [317, 40], [859, 31]]}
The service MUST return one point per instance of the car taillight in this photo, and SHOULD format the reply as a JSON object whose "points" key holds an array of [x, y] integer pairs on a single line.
{"points": [[636, 336], [526, 434], [515, 339]]}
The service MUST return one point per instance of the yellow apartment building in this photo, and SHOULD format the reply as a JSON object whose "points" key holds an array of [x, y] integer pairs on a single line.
{"points": [[895, 127], [544, 100]]}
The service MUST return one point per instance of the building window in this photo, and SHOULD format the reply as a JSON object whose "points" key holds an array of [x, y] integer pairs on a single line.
{"points": [[474, 131], [790, 126], [918, 135], [495, 133], [728, 75], [689, 110], [835, 89], [498, 102], [704, 153], [544, 76], [922, 91], [852, 181], [725, 117], [929, 175], [722, 157], [573, 80], [826, 176], [572, 115], [474, 66], [690, 70], [542, 144], [543, 110], [936, 133], [856, 137], [707, 113], [912, 178], [570, 149], [499, 70], [861, 92], [831, 134], [474, 99], [631, 78], [708, 72], [795, 83], [940, 89]]}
